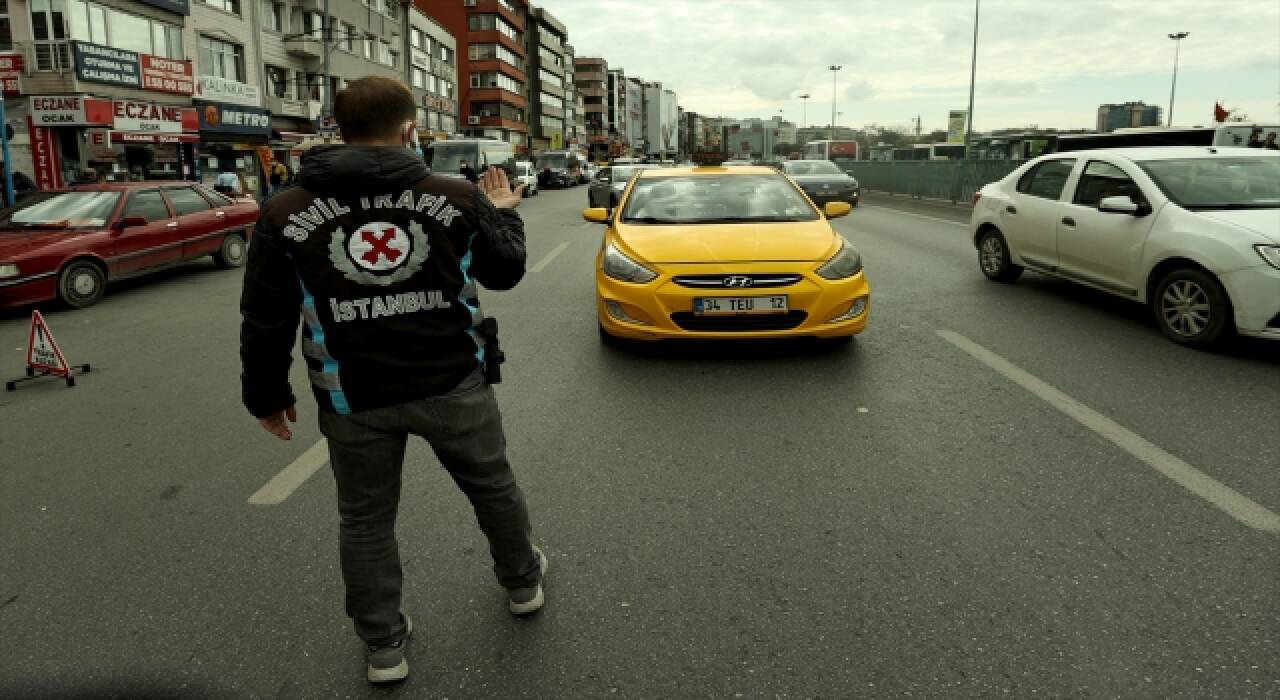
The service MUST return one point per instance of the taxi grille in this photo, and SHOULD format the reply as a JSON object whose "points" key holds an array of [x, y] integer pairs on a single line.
{"points": [[689, 321], [719, 281]]}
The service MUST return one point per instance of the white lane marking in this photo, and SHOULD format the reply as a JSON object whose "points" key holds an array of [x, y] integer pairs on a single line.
{"points": [[918, 216], [1224, 497], [546, 260], [291, 477]]}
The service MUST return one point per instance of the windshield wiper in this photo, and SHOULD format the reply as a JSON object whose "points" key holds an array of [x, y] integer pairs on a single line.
{"points": [[648, 220], [749, 219]]}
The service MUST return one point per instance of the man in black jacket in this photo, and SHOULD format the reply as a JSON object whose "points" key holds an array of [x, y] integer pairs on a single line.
{"points": [[381, 262]]}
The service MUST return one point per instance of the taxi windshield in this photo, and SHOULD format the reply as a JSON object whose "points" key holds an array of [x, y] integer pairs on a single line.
{"points": [[62, 210], [706, 199]]}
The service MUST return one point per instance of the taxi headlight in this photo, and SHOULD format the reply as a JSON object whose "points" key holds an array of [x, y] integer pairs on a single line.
{"points": [[1270, 253], [620, 267], [846, 263], [7, 271]]}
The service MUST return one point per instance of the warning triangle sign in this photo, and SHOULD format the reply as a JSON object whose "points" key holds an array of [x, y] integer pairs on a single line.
{"points": [[43, 352]]}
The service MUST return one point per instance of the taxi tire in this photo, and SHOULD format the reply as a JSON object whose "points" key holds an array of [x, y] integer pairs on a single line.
{"points": [[81, 271], [1006, 271], [233, 252], [607, 338]]}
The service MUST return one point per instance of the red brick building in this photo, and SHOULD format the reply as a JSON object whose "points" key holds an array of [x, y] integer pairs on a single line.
{"points": [[493, 80]]}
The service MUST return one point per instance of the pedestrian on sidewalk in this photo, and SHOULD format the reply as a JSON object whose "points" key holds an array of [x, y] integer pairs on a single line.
{"points": [[380, 261]]}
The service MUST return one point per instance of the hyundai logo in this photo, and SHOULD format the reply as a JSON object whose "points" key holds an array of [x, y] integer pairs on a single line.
{"points": [[737, 281]]}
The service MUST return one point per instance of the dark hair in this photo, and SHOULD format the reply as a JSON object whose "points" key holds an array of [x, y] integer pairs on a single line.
{"points": [[373, 107]]}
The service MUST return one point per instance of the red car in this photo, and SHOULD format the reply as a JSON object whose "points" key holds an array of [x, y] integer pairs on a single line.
{"points": [[68, 244]]}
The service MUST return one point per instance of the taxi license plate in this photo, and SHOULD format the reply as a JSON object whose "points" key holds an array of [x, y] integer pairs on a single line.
{"points": [[711, 306]]}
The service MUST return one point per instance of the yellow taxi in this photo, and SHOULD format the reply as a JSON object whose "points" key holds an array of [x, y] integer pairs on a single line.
{"points": [[717, 252]]}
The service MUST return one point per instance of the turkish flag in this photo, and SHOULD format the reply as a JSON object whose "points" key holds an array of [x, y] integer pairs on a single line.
{"points": [[1219, 114]]}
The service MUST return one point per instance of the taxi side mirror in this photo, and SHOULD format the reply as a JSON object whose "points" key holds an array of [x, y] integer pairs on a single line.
{"points": [[597, 215], [835, 210]]}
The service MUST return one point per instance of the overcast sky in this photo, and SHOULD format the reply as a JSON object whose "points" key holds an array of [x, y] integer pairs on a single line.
{"points": [[1043, 62]]}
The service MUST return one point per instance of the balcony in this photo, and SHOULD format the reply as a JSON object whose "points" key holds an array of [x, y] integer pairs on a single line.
{"points": [[585, 75], [298, 109], [492, 94], [489, 7], [592, 91], [305, 48]]}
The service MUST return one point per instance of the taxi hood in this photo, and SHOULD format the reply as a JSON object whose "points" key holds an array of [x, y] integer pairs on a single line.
{"points": [[790, 241]]}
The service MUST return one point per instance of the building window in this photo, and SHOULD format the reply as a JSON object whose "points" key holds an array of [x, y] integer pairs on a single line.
{"points": [[6, 34], [314, 87], [419, 78], [232, 6], [221, 59], [313, 25], [384, 52], [446, 54], [487, 23], [445, 88], [415, 38], [349, 36], [278, 81], [273, 15], [551, 78], [392, 9], [481, 52], [369, 42], [99, 24], [495, 80]]}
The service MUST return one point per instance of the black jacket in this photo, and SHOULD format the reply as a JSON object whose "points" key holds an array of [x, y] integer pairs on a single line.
{"points": [[380, 261]]}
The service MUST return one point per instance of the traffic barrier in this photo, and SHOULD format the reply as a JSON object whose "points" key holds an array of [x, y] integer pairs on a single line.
{"points": [[954, 180]]}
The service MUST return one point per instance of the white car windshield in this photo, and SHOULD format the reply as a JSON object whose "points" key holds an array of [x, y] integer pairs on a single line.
{"points": [[1218, 183], [63, 210], [716, 199]]}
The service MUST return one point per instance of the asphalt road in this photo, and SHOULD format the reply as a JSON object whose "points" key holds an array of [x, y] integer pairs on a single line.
{"points": [[996, 491]]}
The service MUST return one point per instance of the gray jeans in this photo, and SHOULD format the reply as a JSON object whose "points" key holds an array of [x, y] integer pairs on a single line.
{"points": [[366, 451]]}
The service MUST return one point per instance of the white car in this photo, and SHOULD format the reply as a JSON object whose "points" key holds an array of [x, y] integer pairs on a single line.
{"points": [[1192, 231], [527, 176]]}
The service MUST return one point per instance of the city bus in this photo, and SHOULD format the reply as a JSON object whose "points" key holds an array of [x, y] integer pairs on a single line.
{"points": [[842, 153], [1233, 134], [446, 157]]}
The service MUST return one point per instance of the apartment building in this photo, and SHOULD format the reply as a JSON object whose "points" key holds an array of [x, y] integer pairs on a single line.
{"points": [[572, 100], [1128, 114], [615, 109], [550, 98], [661, 127], [636, 116], [592, 83], [493, 78], [433, 76], [185, 89]]}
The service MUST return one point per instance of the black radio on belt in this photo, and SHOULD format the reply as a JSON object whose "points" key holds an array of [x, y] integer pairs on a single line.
{"points": [[493, 355]]}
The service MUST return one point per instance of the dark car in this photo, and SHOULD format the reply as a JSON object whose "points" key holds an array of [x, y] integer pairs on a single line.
{"points": [[68, 244], [606, 188], [823, 181], [558, 169]]}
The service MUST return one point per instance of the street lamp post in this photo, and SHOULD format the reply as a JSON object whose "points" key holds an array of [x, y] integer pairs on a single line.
{"points": [[804, 114], [834, 70], [1177, 44]]}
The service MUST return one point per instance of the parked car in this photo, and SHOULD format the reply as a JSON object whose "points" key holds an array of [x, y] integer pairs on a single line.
{"points": [[589, 171], [822, 180], [68, 244], [527, 176], [606, 189], [1193, 232]]}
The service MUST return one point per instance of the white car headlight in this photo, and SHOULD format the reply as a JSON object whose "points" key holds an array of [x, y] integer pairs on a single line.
{"points": [[7, 271], [846, 263], [1270, 253], [620, 267]]}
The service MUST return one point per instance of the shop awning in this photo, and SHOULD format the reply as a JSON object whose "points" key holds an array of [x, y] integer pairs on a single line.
{"points": [[128, 137]]}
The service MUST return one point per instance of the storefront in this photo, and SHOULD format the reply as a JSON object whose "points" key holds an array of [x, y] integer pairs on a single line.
{"points": [[234, 138], [57, 125], [152, 142]]}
